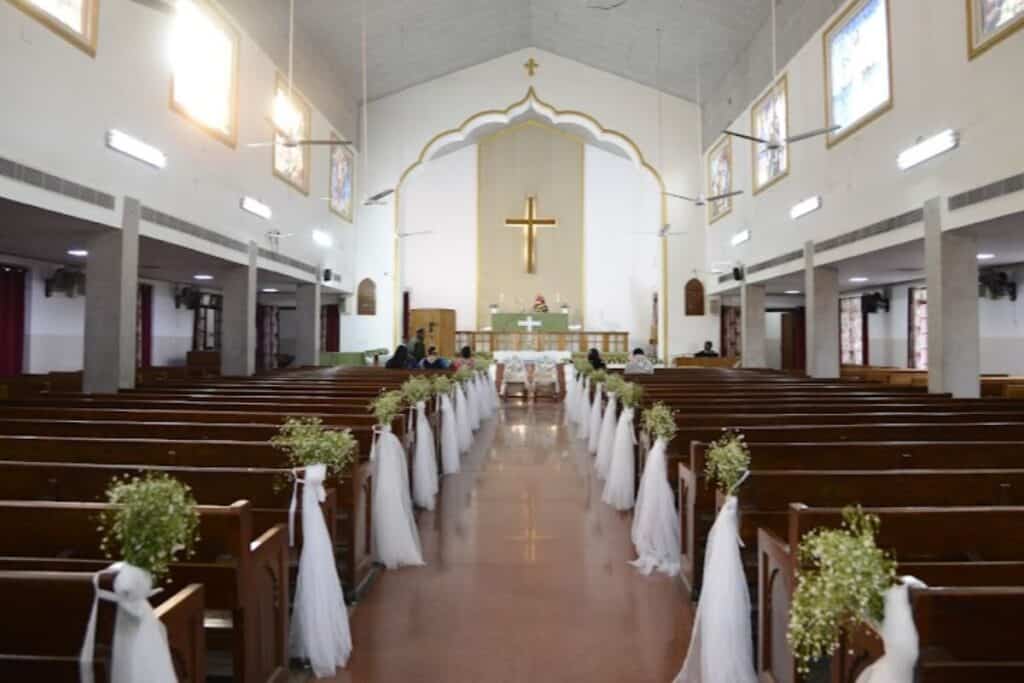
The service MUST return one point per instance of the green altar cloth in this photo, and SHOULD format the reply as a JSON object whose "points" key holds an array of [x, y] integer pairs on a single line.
{"points": [[549, 322]]}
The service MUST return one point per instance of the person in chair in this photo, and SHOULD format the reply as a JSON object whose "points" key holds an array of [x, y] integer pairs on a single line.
{"points": [[432, 361], [639, 364], [401, 360], [707, 352], [465, 359], [419, 349]]}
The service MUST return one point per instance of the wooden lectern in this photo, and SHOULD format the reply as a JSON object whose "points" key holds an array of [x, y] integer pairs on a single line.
{"points": [[439, 324]]}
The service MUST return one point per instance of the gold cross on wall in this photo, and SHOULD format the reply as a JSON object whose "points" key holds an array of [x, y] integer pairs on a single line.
{"points": [[529, 224], [531, 66]]}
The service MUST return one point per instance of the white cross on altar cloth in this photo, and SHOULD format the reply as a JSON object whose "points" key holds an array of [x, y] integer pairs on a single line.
{"points": [[530, 323]]}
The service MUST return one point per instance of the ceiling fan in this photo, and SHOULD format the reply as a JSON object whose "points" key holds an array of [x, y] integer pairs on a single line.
{"points": [[605, 4], [403, 235], [777, 142], [702, 200], [664, 231]]}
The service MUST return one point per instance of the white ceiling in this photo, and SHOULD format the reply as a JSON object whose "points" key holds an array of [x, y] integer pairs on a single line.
{"points": [[413, 41]]}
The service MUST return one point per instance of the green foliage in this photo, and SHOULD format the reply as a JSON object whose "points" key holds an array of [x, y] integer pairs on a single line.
{"points": [[443, 385], [614, 383], [464, 374], [307, 442], [387, 407], [416, 389], [153, 520], [842, 582], [598, 377], [660, 421], [728, 459], [631, 394]]}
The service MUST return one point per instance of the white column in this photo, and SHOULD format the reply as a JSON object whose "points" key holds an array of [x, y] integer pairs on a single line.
{"points": [[752, 321], [112, 283], [238, 330], [951, 267], [307, 336], [821, 293]]}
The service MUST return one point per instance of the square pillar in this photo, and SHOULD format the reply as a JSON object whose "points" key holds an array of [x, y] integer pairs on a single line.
{"points": [[112, 283], [307, 314], [238, 330], [821, 293], [752, 322], [954, 345]]}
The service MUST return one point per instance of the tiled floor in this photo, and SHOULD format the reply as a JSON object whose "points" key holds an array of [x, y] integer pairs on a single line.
{"points": [[526, 578]]}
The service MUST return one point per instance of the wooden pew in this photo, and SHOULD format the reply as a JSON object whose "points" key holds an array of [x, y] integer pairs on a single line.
{"points": [[45, 616], [244, 575], [979, 547]]}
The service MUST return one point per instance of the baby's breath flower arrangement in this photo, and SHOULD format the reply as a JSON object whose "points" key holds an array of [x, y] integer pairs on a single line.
{"points": [[631, 394], [307, 442], [154, 518], [464, 374], [728, 459], [416, 389], [660, 421], [584, 368], [387, 407], [614, 383], [842, 582], [598, 377], [442, 385], [616, 357]]}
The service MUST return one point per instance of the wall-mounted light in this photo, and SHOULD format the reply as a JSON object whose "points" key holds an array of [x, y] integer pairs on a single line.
{"points": [[256, 208], [859, 279], [926, 149], [137, 149], [740, 237], [322, 239], [981, 257], [270, 290], [805, 207], [202, 277], [792, 291], [78, 253]]}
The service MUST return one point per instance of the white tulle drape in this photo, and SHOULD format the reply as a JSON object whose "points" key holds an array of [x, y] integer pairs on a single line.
{"points": [[655, 529], [472, 405], [619, 487], [594, 421], [140, 651], [319, 628], [583, 409], [449, 437], [900, 637], [721, 646], [462, 426], [606, 437], [424, 462], [570, 396], [395, 537]]}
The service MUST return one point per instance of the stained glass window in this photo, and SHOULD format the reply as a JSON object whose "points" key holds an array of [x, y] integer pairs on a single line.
{"points": [[74, 20]]}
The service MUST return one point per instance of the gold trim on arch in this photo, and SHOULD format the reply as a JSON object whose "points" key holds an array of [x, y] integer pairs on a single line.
{"points": [[531, 94]]}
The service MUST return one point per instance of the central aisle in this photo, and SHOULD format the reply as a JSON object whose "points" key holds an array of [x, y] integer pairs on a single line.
{"points": [[527, 576]]}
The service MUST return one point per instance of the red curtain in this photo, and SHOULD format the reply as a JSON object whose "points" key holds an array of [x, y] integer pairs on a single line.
{"points": [[330, 322], [12, 320], [144, 327]]}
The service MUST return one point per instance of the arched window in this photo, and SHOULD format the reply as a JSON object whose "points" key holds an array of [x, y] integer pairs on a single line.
{"points": [[366, 298], [694, 297]]}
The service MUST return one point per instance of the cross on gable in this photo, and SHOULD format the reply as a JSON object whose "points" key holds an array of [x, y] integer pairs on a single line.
{"points": [[531, 66]]}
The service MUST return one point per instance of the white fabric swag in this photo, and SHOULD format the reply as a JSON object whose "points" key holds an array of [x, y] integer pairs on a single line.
{"points": [[606, 437], [655, 529], [618, 488], [449, 437], [425, 483], [462, 427], [594, 421], [395, 536]]}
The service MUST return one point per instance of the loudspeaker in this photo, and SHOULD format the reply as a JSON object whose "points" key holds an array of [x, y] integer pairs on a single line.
{"points": [[737, 274], [328, 274]]}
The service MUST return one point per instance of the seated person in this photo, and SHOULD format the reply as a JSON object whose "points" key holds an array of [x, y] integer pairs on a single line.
{"points": [[432, 361], [401, 360], [639, 364], [465, 359], [707, 352], [594, 358]]}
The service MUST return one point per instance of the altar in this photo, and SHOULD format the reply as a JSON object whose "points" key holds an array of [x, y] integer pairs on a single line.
{"points": [[530, 322]]}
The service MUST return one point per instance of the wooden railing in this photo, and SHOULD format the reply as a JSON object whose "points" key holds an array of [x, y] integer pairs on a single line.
{"points": [[489, 342]]}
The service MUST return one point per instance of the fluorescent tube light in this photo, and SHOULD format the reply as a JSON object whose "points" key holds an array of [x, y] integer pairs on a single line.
{"points": [[203, 276], [805, 207], [986, 257], [740, 237], [80, 253], [926, 149], [256, 208], [322, 239], [126, 144], [858, 279], [792, 291]]}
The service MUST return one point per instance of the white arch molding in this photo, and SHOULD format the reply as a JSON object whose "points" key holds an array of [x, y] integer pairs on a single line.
{"points": [[532, 107]]}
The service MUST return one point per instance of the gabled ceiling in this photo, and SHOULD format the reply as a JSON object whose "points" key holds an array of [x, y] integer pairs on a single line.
{"points": [[413, 41]]}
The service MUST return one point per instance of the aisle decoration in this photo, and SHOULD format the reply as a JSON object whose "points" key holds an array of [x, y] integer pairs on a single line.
{"points": [[319, 628], [463, 428], [721, 644], [655, 531], [449, 436], [395, 536], [467, 380], [416, 391], [154, 519], [845, 580], [606, 434], [619, 487], [598, 379]]}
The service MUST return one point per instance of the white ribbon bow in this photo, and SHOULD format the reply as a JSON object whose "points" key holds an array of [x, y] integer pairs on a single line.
{"points": [[316, 483]]}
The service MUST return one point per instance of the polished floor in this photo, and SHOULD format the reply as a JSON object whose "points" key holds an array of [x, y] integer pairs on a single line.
{"points": [[527, 576]]}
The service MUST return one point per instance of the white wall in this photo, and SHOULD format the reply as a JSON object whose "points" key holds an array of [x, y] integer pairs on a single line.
{"points": [[66, 101], [621, 268], [172, 327], [935, 87], [402, 124], [773, 340], [440, 270], [288, 330]]}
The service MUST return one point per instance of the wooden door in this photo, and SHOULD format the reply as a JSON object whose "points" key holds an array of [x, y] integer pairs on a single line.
{"points": [[794, 344], [439, 325]]}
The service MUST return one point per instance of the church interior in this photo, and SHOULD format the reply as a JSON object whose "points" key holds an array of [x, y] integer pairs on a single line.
{"points": [[543, 340]]}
